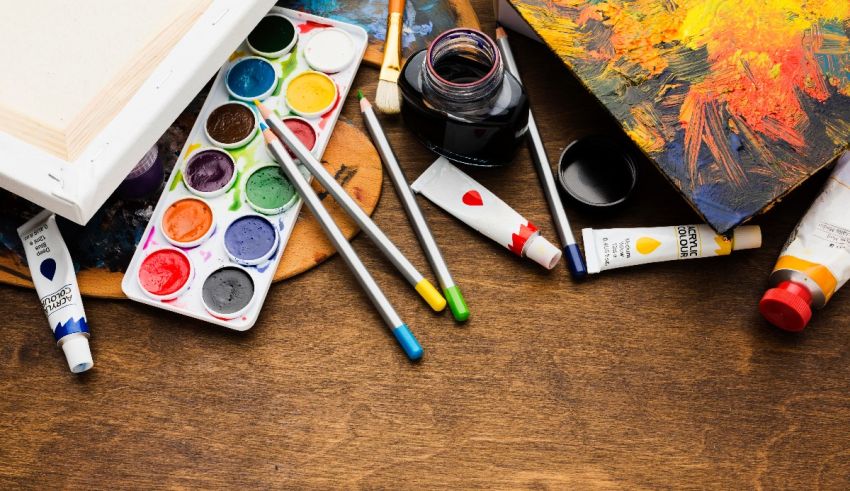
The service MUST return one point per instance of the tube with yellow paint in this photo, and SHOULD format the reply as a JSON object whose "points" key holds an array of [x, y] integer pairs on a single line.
{"points": [[815, 261], [620, 247]]}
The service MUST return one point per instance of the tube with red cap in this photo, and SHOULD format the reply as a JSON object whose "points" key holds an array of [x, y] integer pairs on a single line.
{"points": [[815, 261]]}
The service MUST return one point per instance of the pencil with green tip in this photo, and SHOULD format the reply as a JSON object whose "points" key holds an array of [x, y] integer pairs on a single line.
{"points": [[402, 333], [457, 304], [422, 286]]}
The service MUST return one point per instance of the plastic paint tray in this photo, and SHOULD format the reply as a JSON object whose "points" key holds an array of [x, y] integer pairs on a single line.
{"points": [[211, 255]]}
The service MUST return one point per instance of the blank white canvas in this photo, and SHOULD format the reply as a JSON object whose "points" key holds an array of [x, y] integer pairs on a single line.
{"points": [[66, 66]]}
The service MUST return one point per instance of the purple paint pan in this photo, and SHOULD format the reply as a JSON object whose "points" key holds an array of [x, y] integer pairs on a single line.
{"points": [[209, 172]]}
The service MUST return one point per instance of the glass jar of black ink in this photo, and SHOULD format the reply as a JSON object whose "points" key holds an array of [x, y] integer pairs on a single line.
{"points": [[459, 100]]}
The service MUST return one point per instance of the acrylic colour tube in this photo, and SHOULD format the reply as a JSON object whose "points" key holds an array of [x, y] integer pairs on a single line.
{"points": [[620, 247], [815, 261], [56, 284], [473, 204]]}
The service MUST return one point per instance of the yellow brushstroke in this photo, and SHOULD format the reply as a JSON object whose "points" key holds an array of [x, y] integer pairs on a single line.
{"points": [[192, 148]]}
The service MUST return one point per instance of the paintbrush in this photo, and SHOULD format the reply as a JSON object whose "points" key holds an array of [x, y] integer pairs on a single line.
{"points": [[388, 98]]}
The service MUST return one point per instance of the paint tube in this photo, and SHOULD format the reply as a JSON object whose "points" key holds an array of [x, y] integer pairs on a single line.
{"points": [[473, 204], [56, 284], [620, 247], [815, 261]]}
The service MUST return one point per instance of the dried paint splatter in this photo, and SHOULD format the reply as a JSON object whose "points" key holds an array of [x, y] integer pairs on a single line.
{"points": [[423, 19], [737, 101]]}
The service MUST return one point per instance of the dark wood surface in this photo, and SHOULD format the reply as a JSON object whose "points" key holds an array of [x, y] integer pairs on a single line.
{"points": [[639, 378]]}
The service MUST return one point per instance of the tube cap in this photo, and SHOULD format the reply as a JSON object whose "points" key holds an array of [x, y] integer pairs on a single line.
{"points": [[746, 237], [787, 306], [542, 252], [77, 352]]}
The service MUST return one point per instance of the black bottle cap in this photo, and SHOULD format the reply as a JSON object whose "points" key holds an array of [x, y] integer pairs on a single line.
{"points": [[597, 171]]}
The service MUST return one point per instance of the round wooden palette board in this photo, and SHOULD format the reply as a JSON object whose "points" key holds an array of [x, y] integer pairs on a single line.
{"points": [[350, 157]]}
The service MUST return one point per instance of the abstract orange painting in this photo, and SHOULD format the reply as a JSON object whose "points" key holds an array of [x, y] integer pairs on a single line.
{"points": [[737, 101]]}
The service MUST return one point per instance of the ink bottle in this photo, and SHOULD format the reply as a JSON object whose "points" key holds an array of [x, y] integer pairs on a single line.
{"points": [[460, 102]]}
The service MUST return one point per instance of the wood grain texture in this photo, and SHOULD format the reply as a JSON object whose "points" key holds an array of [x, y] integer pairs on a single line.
{"points": [[652, 377], [350, 157]]}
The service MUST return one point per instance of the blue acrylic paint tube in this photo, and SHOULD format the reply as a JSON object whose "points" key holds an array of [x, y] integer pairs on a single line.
{"points": [[56, 283]]}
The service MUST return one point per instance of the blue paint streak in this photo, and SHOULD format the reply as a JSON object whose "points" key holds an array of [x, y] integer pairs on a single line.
{"points": [[423, 19]]}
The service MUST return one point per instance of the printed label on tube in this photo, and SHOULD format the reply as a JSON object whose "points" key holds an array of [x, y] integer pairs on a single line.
{"points": [[621, 247], [815, 261], [457, 193], [56, 284]]}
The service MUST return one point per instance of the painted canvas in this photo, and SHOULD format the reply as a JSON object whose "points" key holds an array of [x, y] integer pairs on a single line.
{"points": [[737, 101], [423, 20]]}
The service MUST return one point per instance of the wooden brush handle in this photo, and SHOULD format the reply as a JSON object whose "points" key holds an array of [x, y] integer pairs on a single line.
{"points": [[396, 6], [392, 47]]}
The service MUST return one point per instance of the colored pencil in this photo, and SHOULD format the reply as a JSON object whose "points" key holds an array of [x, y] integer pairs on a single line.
{"points": [[455, 299], [422, 286], [575, 260], [399, 329]]}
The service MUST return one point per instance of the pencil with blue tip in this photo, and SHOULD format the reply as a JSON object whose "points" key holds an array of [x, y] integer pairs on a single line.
{"points": [[422, 286], [455, 299], [572, 253], [402, 333]]}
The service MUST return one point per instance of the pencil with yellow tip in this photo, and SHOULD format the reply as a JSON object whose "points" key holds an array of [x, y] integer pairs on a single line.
{"points": [[422, 286], [455, 299], [402, 333]]}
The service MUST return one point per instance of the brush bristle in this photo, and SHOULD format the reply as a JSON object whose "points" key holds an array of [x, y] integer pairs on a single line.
{"points": [[388, 97]]}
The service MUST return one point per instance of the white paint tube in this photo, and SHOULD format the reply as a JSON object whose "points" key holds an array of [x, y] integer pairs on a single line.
{"points": [[473, 204], [56, 284], [815, 261], [620, 247]]}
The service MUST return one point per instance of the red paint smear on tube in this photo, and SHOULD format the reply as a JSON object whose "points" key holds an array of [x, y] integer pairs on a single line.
{"points": [[519, 239]]}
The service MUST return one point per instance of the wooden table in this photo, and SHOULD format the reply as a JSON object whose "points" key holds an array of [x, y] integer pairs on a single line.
{"points": [[643, 377]]}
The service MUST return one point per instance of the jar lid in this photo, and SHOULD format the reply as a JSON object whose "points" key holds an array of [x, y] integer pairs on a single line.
{"points": [[597, 172]]}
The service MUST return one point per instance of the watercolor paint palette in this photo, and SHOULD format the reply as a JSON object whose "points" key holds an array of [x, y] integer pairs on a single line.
{"points": [[219, 230]]}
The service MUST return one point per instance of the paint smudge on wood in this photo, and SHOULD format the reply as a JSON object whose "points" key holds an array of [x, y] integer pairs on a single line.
{"points": [[423, 19]]}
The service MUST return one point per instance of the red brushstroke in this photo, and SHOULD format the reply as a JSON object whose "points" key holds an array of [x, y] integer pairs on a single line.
{"points": [[327, 116], [310, 25], [519, 239]]}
